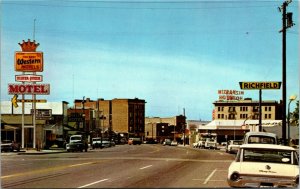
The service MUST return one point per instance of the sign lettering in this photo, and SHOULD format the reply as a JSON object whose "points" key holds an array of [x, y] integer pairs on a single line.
{"points": [[29, 78], [29, 61], [40, 89], [260, 85]]}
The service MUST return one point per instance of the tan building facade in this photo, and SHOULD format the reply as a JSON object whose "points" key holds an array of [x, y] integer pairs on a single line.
{"points": [[123, 115], [246, 110], [157, 128], [119, 115]]}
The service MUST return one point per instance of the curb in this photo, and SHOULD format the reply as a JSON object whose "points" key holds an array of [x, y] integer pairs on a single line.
{"points": [[40, 152]]}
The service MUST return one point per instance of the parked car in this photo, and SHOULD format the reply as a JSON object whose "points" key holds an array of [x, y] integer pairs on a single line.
{"points": [[211, 143], [174, 143], [260, 137], [134, 141], [77, 143], [264, 165], [167, 142], [201, 143], [104, 143], [96, 142], [9, 146], [195, 145], [151, 141], [233, 146]]}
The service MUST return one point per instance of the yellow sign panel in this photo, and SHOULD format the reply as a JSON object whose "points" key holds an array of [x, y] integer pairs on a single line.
{"points": [[260, 85], [29, 62], [40, 101]]}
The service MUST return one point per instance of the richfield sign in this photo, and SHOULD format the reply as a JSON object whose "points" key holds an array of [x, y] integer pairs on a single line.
{"points": [[29, 61], [38, 89]]}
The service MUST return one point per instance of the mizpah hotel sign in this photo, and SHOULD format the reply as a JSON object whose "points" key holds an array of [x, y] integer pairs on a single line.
{"points": [[230, 95]]}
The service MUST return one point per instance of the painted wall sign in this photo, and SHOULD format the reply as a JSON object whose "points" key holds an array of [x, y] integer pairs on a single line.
{"points": [[260, 85], [29, 61], [40, 89], [29, 78], [230, 95]]}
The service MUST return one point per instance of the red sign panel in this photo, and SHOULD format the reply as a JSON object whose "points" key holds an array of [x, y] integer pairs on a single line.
{"points": [[29, 78], [29, 61], [39, 89]]}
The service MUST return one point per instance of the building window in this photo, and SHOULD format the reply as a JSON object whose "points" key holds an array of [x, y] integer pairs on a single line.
{"points": [[270, 115], [231, 109], [220, 116], [243, 108], [231, 116], [220, 109], [270, 108]]}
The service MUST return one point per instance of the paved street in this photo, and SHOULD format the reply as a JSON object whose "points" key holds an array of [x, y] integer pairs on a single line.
{"points": [[124, 166]]}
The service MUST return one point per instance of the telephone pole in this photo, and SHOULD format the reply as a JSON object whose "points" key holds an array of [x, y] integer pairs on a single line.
{"points": [[287, 22]]}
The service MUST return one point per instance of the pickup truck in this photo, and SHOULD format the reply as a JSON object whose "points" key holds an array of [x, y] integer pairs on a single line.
{"points": [[77, 143]]}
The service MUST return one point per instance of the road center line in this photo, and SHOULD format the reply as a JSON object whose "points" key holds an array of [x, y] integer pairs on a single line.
{"points": [[146, 167], [81, 164], [92, 183], [209, 176]]}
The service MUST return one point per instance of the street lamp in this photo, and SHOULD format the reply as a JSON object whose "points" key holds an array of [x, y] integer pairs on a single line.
{"points": [[292, 98]]}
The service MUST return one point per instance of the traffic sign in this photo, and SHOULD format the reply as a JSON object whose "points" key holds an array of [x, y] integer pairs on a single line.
{"points": [[14, 100]]}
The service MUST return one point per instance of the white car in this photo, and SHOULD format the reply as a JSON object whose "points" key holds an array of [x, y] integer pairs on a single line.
{"points": [[264, 165], [233, 146], [260, 137], [211, 143]]}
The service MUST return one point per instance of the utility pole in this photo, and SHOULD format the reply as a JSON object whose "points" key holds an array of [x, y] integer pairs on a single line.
{"points": [[286, 18]]}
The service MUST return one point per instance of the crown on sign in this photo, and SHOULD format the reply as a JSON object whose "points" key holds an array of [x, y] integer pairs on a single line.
{"points": [[29, 46]]}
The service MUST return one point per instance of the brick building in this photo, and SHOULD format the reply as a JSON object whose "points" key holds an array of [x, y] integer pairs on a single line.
{"points": [[125, 116], [157, 128]]}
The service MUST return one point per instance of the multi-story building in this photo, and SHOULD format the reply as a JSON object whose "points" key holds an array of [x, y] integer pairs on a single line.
{"points": [[124, 116], [232, 119], [157, 128], [246, 110]]}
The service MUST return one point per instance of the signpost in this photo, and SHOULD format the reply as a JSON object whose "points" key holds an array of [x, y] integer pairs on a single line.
{"points": [[28, 60], [260, 86]]}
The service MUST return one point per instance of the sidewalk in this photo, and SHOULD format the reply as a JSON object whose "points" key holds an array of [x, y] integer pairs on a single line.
{"points": [[41, 152]]}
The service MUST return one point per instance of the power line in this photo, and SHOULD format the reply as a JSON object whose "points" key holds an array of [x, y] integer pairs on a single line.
{"points": [[147, 3]]}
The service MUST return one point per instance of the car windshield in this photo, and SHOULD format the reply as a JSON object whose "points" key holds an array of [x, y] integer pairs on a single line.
{"points": [[76, 138], [261, 140], [238, 142], [6, 141], [268, 155]]}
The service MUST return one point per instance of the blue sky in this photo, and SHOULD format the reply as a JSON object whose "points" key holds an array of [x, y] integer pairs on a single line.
{"points": [[174, 54]]}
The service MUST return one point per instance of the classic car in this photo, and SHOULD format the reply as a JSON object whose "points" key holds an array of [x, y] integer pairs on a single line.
{"points": [[134, 141], [211, 143], [9, 146], [264, 165], [260, 137], [233, 146], [76, 143]]}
